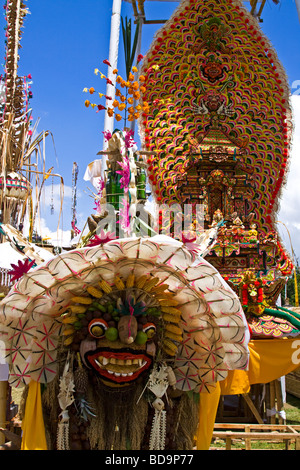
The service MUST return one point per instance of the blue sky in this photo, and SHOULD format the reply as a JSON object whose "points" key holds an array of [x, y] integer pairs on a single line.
{"points": [[65, 40]]}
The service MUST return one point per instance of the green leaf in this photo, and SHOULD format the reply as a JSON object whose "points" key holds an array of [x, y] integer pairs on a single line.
{"points": [[129, 51]]}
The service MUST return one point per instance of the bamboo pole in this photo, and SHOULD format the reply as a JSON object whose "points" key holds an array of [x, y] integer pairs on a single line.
{"points": [[113, 60], [3, 407], [298, 8], [296, 289]]}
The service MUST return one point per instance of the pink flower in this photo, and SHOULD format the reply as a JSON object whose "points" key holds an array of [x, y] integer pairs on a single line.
{"points": [[76, 230], [21, 268], [124, 216], [103, 238], [100, 107], [125, 172], [107, 135], [129, 142], [139, 58]]}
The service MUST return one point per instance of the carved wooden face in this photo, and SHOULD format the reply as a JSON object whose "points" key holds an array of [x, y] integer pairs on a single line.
{"points": [[122, 347]]}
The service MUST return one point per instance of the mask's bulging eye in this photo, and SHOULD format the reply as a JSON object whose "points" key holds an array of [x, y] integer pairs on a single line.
{"points": [[150, 330], [97, 327]]}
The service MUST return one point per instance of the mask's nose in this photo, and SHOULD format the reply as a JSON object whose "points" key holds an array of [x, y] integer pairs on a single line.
{"points": [[127, 328]]}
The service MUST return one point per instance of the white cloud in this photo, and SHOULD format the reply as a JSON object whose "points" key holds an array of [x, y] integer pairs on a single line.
{"points": [[289, 213], [48, 225]]}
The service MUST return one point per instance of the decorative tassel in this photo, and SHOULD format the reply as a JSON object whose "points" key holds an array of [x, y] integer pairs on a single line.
{"points": [[81, 385], [63, 432], [65, 399], [158, 430]]}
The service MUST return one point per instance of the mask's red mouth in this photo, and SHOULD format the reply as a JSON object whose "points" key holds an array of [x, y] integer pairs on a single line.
{"points": [[119, 365]]}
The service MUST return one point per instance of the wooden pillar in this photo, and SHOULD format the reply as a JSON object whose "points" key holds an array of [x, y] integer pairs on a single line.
{"points": [[3, 407], [272, 402], [279, 401]]}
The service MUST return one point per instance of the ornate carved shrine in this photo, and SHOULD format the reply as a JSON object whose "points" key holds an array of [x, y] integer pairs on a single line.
{"points": [[220, 127]]}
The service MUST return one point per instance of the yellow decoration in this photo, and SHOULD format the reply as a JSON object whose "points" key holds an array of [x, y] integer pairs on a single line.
{"points": [[119, 283], [33, 437], [82, 300], [95, 292], [105, 286], [141, 281], [130, 280], [77, 308], [208, 407]]}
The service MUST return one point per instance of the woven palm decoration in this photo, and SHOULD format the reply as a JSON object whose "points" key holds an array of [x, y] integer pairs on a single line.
{"points": [[201, 329]]}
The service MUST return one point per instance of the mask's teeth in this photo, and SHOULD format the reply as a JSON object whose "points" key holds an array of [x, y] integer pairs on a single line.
{"points": [[98, 363]]}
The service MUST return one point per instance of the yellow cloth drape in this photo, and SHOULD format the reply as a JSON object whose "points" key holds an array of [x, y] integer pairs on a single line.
{"points": [[208, 407], [33, 436], [269, 359]]}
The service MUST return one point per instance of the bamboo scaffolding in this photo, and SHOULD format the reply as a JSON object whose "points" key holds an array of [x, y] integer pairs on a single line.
{"points": [[3, 403]]}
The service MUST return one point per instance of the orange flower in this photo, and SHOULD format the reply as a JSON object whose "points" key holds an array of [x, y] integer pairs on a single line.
{"points": [[131, 110], [115, 71], [142, 78], [92, 90], [115, 103], [135, 85], [136, 115], [122, 106], [123, 83], [119, 79], [130, 91], [130, 77], [142, 89], [123, 98], [118, 117], [110, 112], [87, 103], [137, 95], [134, 69], [131, 117], [118, 93], [130, 100], [138, 107]]}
